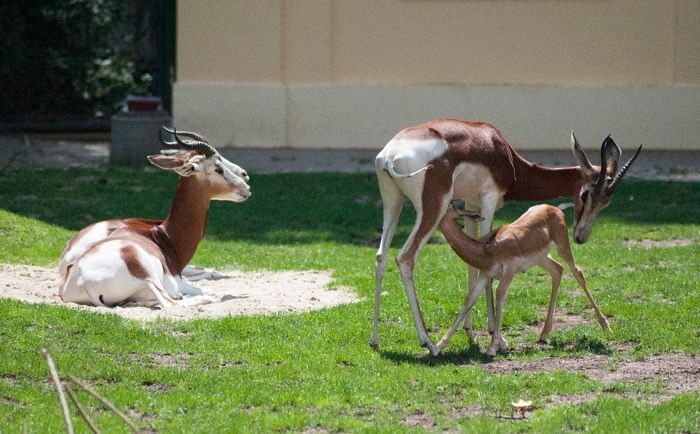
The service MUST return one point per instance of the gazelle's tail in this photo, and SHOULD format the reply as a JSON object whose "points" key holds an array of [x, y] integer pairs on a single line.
{"points": [[391, 170]]}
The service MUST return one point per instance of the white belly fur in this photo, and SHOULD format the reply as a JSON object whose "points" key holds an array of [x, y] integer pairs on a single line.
{"points": [[472, 182]]}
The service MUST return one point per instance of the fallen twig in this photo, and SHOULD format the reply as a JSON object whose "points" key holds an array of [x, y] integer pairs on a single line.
{"points": [[73, 397], [104, 401], [59, 389]]}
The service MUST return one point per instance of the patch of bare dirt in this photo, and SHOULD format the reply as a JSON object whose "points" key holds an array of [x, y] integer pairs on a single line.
{"points": [[561, 322], [582, 398], [471, 411], [10, 379], [677, 372], [236, 293], [651, 244], [315, 430], [155, 387], [178, 360], [419, 419]]}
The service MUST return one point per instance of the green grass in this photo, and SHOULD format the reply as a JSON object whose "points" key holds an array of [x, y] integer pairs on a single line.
{"points": [[315, 371]]}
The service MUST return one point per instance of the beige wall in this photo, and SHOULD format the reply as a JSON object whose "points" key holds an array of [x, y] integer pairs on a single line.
{"points": [[229, 40], [272, 51]]}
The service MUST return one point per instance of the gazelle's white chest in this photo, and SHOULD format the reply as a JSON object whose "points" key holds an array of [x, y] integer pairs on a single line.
{"points": [[473, 183]]}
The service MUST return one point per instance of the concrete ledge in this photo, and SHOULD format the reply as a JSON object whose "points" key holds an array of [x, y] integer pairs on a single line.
{"points": [[365, 116]]}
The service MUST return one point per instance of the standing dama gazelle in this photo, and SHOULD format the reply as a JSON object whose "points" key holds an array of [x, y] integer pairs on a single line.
{"points": [[140, 260], [446, 159], [510, 250]]}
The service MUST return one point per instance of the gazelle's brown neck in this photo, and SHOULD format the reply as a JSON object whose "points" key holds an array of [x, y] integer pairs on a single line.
{"points": [[534, 182], [187, 220], [468, 249]]}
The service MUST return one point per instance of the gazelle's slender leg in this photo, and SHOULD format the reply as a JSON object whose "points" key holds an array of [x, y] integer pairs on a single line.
{"points": [[184, 288], [582, 283], [406, 259], [555, 270], [392, 201], [497, 341], [564, 250], [471, 229], [487, 211], [193, 274], [469, 301]]}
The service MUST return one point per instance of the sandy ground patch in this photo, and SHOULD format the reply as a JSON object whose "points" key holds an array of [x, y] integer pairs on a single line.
{"points": [[650, 244], [238, 293], [678, 372]]}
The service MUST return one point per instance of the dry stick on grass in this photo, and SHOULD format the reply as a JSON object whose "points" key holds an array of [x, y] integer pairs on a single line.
{"points": [[104, 401], [73, 397], [59, 389]]}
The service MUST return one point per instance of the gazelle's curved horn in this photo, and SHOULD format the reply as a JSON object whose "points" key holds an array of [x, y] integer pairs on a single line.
{"points": [[615, 182], [166, 144], [190, 134], [195, 145]]}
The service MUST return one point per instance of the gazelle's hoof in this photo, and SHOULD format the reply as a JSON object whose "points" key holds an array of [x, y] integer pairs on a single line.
{"points": [[374, 344], [496, 347], [434, 350]]}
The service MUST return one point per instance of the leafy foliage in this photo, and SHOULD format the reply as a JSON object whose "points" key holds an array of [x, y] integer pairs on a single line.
{"points": [[69, 56]]}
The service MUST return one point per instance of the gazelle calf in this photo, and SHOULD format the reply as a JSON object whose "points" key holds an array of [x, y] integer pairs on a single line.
{"points": [[139, 261], [509, 250]]}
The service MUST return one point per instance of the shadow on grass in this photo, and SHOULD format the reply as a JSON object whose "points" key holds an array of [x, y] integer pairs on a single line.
{"points": [[474, 353], [448, 357], [290, 209], [585, 343]]}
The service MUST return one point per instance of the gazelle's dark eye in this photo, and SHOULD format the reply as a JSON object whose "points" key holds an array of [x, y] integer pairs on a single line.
{"points": [[219, 170], [584, 195]]}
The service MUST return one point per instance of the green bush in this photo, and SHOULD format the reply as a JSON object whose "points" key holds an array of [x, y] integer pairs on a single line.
{"points": [[73, 57]]}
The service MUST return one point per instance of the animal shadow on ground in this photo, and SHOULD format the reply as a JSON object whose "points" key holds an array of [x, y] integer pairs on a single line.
{"points": [[464, 356], [473, 353]]}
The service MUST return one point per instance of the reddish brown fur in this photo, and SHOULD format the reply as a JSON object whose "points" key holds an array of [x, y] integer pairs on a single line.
{"points": [[481, 142], [175, 239], [520, 238], [129, 255], [178, 236]]}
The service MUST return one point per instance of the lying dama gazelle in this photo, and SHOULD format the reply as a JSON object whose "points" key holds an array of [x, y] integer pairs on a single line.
{"points": [[139, 260], [449, 159], [509, 250]]}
